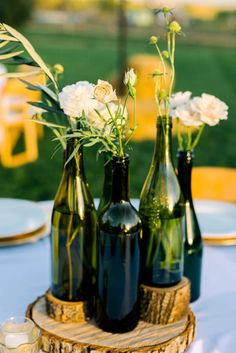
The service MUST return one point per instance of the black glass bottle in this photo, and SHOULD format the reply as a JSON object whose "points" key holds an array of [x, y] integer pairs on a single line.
{"points": [[73, 234], [120, 228], [106, 191], [193, 241], [162, 211]]}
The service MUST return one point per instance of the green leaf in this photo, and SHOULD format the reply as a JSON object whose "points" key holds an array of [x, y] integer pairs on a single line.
{"points": [[9, 49], [4, 43], [31, 51], [10, 55], [46, 107], [91, 143], [8, 38], [18, 74], [73, 154], [49, 92], [44, 90], [30, 86], [47, 123], [20, 60]]}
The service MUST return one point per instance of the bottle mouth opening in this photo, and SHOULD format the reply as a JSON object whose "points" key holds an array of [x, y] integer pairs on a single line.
{"points": [[164, 120], [121, 160], [185, 154]]}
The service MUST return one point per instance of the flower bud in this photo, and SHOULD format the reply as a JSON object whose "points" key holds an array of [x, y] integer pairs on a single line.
{"points": [[165, 10], [165, 54], [175, 27], [153, 40], [162, 94], [157, 73], [58, 68]]}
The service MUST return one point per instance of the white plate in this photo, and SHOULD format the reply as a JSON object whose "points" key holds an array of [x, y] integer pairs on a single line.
{"points": [[216, 219], [19, 217]]}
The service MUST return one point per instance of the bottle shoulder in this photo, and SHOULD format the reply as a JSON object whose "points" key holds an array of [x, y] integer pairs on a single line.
{"points": [[73, 196], [161, 191], [120, 215]]}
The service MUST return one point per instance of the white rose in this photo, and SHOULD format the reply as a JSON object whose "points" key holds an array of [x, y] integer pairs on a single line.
{"points": [[104, 92], [77, 98], [177, 100], [187, 116], [130, 77], [210, 109]]}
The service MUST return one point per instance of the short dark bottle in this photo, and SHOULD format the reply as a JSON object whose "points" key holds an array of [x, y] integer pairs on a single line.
{"points": [[162, 210], [107, 183], [74, 233], [117, 305], [193, 247]]}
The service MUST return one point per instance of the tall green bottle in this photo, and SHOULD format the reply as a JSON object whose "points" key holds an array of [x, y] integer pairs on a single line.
{"points": [[193, 247], [162, 211], [73, 234]]}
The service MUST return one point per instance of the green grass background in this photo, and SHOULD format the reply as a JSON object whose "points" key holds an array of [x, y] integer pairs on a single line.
{"points": [[200, 68]]}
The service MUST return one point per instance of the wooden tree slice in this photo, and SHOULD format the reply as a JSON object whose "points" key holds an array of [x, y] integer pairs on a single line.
{"points": [[64, 311], [164, 305], [88, 338]]}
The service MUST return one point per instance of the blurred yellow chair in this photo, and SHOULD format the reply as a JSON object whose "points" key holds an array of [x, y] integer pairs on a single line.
{"points": [[144, 65], [15, 122], [214, 183]]}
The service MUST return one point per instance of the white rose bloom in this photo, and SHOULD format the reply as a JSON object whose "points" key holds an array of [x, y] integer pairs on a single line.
{"points": [[130, 77], [177, 100], [187, 116], [210, 109], [104, 92], [77, 98]]}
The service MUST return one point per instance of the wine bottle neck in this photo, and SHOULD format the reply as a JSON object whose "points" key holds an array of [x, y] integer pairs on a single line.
{"points": [[120, 179], [74, 162], [185, 159], [163, 140]]}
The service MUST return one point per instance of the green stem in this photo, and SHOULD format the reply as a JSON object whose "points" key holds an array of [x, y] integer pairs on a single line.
{"points": [[134, 125], [68, 249], [156, 96], [195, 142], [189, 138], [121, 151], [172, 60], [179, 136], [163, 63]]}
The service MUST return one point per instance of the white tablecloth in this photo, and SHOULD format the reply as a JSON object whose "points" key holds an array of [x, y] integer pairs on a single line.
{"points": [[25, 275]]}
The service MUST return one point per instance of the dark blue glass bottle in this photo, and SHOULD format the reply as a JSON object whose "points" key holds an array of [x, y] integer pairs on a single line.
{"points": [[117, 304]]}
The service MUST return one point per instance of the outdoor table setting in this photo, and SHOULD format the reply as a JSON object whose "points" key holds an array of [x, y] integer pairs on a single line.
{"points": [[25, 275], [148, 274]]}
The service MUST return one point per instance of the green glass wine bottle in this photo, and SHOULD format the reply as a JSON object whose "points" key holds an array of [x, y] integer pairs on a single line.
{"points": [[193, 247], [117, 305], [74, 232], [162, 211]]}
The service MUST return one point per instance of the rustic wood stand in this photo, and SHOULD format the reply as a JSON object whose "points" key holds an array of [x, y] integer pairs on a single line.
{"points": [[85, 337], [164, 305]]}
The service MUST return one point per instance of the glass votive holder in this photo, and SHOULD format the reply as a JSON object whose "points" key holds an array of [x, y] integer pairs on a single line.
{"points": [[19, 335]]}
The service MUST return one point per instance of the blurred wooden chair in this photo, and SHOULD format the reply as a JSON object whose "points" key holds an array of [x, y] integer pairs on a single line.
{"points": [[214, 183], [144, 65], [15, 114]]}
